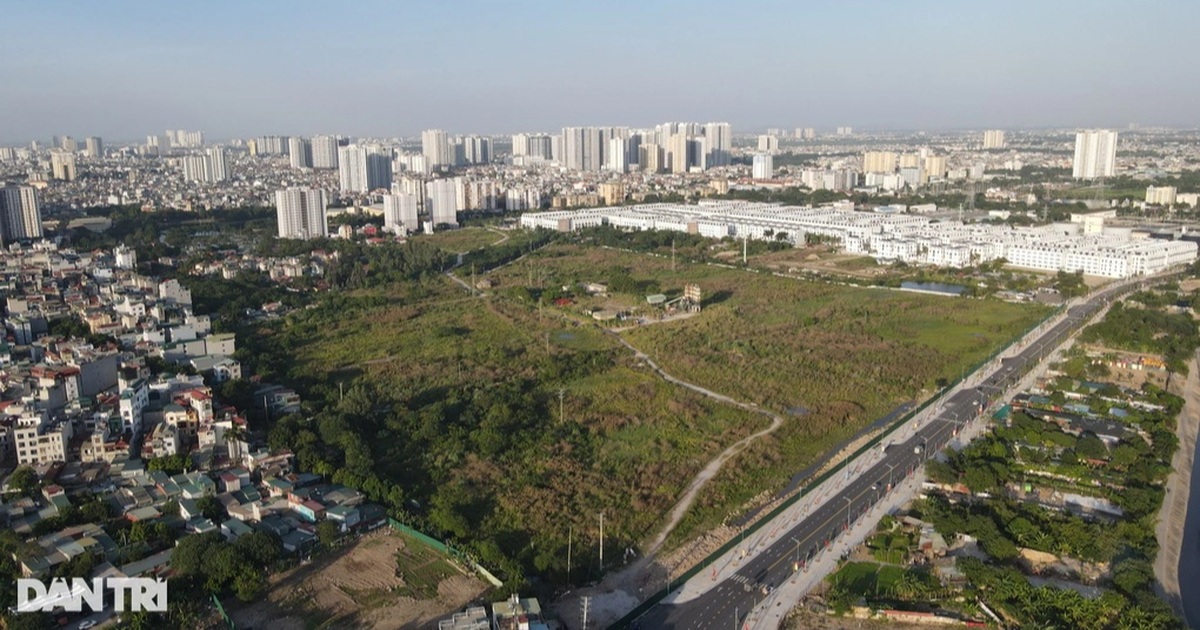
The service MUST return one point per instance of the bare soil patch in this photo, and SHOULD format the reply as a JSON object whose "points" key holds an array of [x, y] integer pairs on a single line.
{"points": [[383, 580]]}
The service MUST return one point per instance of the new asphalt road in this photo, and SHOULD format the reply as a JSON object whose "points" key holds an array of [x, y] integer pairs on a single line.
{"points": [[728, 603]]}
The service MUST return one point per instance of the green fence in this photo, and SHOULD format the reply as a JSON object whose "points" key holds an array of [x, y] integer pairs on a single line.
{"points": [[428, 541], [442, 547], [224, 615]]}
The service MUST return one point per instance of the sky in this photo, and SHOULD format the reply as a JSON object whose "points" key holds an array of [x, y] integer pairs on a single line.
{"points": [[237, 68]]}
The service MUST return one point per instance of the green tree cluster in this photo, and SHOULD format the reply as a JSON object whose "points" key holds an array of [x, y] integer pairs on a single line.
{"points": [[239, 566], [1175, 336]]}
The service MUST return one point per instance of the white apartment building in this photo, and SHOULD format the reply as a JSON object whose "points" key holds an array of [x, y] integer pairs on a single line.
{"points": [[38, 439], [400, 213], [133, 402], [763, 166], [435, 146], [324, 152], [364, 168], [879, 162], [20, 217], [442, 197], [1095, 154], [719, 136], [1161, 195], [993, 139], [301, 213], [300, 153], [162, 441]]}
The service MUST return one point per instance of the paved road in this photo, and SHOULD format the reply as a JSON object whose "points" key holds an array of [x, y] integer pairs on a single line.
{"points": [[1189, 551], [727, 604]]}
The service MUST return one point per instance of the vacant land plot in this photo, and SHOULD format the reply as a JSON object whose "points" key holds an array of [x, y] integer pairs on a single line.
{"points": [[510, 426], [832, 359], [508, 423], [819, 258], [385, 580], [461, 240]]}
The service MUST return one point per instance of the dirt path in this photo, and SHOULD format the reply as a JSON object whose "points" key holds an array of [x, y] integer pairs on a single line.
{"points": [[710, 470], [1173, 516], [622, 590], [503, 236], [668, 318], [702, 478]]}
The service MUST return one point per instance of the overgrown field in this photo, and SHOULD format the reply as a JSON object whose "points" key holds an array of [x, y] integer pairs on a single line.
{"points": [[460, 240], [831, 359], [504, 422], [451, 413]]}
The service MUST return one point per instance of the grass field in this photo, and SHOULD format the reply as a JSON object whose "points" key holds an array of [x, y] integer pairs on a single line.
{"points": [[461, 240], [422, 569], [629, 444], [889, 548], [831, 359], [510, 424], [867, 578]]}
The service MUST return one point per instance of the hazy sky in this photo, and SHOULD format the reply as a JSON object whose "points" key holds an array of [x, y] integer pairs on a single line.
{"points": [[235, 68]]}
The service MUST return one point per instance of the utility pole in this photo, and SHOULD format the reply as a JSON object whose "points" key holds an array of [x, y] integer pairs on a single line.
{"points": [[602, 542], [570, 531], [586, 600], [672, 255], [745, 246]]}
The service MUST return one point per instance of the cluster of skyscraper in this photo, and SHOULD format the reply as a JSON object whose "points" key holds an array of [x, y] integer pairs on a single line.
{"points": [[671, 147], [93, 146], [441, 151], [207, 167], [175, 139], [315, 152], [915, 169]]}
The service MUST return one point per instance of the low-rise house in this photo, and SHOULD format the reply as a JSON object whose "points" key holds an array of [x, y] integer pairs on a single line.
{"points": [[340, 495], [229, 482], [194, 485], [278, 487], [517, 613], [157, 565], [199, 526], [277, 400], [188, 509], [346, 517], [234, 529], [297, 540], [148, 513], [164, 440], [268, 463], [309, 510]]}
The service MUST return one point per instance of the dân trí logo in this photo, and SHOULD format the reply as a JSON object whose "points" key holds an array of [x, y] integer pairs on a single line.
{"points": [[145, 594]]}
